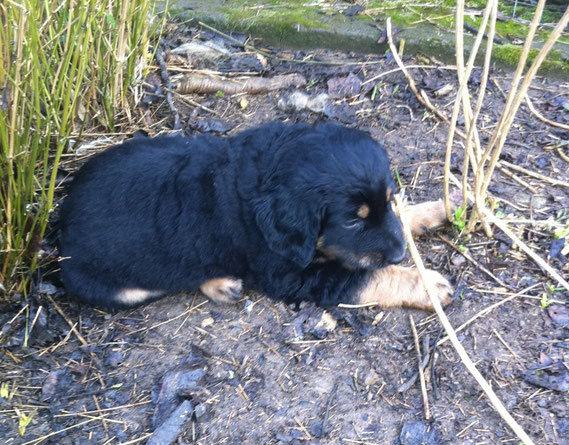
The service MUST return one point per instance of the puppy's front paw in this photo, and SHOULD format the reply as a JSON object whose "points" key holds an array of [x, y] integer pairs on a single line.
{"points": [[396, 286], [223, 290], [441, 286]]}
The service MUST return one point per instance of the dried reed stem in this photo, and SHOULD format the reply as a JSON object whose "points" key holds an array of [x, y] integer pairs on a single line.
{"points": [[452, 334]]}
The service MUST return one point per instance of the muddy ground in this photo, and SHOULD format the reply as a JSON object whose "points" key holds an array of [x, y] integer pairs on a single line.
{"points": [[261, 372]]}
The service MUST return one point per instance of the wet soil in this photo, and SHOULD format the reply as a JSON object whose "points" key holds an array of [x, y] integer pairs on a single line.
{"points": [[261, 372]]}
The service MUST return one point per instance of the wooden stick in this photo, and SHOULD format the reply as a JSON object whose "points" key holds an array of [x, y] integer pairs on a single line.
{"points": [[396, 70], [421, 373], [452, 334], [520, 181]]}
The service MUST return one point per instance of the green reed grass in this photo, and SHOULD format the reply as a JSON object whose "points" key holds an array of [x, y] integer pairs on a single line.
{"points": [[64, 67]]}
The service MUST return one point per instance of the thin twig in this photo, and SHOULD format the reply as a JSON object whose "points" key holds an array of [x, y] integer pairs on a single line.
{"points": [[534, 174], [452, 334], [507, 346], [169, 88], [420, 366], [68, 321], [396, 70], [520, 181], [421, 96], [328, 406], [473, 261], [504, 228], [407, 384], [436, 391], [487, 310], [55, 433], [541, 117], [540, 261]]}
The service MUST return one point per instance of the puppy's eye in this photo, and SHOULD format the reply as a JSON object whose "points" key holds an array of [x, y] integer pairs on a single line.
{"points": [[353, 224]]}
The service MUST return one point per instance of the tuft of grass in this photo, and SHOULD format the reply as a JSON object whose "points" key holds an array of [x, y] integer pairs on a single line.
{"points": [[459, 219], [64, 66]]}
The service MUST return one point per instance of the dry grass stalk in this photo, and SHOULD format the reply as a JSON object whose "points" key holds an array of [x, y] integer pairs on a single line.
{"points": [[534, 174], [505, 123], [483, 165], [463, 98], [421, 96], [452, 334]]}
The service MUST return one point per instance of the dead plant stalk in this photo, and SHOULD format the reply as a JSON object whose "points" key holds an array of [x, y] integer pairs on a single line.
{"points": [[452, 334]]}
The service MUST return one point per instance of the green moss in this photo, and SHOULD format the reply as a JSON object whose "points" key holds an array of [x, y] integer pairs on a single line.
{"points": [[279, 22], [510, 54], [282, 15]]}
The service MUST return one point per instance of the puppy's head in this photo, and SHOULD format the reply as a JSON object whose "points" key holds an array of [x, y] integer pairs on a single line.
{"points": [[329, 194]]}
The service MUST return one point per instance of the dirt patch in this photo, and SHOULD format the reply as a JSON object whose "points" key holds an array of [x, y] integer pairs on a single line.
{"points": [[264, 372]]}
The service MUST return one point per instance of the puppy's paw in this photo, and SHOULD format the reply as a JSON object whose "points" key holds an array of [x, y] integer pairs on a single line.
{"points": [[443, 290], [426, 216], [396, 286], [223, 290]]}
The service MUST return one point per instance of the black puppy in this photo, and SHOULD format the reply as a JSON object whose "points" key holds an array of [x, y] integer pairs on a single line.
{"points": [[297, 212]]}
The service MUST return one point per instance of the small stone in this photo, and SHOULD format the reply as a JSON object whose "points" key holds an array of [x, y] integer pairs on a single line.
{"points": [[249, 306], [419, 433], [207, 322], [371, 378], [114, 359], [200, 410], [47, 289]]}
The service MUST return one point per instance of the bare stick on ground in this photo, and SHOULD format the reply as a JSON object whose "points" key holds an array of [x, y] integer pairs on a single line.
{"points": [[201, 83], [421, 373], [452, 334], [168, 84]]}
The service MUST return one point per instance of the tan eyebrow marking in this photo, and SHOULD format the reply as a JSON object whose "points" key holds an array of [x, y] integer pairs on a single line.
{"points": [[388, 194], [363, 211]]}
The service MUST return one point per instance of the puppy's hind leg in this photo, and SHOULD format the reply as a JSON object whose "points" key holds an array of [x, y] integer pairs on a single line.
{"points": [[223, 290], [430, 215]]}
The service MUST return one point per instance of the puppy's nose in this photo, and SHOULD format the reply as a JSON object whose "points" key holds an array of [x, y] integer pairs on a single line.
{"points": [[396, 255]]}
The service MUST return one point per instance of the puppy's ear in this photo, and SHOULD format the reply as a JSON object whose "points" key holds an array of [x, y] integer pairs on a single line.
{"points": [[290, 226]]}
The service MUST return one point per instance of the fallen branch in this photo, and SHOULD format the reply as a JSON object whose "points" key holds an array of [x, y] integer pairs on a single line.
{"points": [[452, 334], [199, 83]]}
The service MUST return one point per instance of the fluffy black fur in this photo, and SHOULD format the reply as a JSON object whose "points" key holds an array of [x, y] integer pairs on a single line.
{"points": [[276, 206]]}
